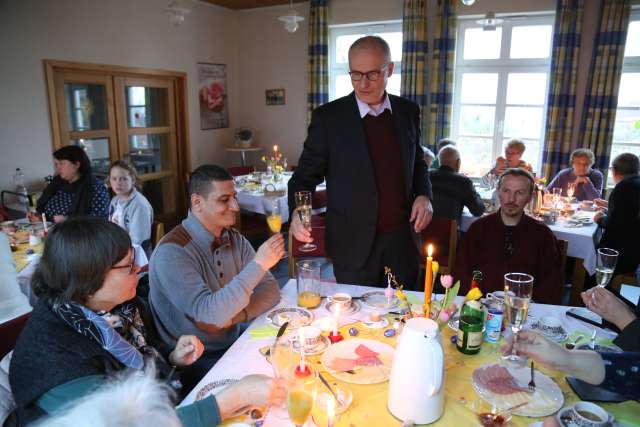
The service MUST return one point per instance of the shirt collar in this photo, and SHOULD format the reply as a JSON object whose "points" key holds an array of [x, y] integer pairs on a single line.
{"points": [[202, 236], [376, 110]]}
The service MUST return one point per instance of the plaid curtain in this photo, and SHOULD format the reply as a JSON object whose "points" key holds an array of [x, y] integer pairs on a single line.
{"points": [[414, 56], [601, 100], [441, 85], [318, 87], [562, 88]]}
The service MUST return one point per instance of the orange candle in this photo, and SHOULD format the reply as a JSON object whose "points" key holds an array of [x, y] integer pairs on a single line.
{"points": [[428, 281]]}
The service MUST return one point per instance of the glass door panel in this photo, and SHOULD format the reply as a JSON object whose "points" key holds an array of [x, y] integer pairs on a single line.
{"points": [[147, 106], [150, 153], [86, 106], [97, 150]]}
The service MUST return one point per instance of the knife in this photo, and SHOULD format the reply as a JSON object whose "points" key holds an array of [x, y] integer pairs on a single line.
{"points": [[280, 333], [584, 319], [324, 381]]}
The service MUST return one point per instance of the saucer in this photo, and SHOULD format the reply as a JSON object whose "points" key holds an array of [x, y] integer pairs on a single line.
{"points": [[556, 333], [382, 323], [353, 308], [320, 347], [377, 299]]}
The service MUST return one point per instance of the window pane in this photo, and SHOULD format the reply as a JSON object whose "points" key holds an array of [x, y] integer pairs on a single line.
{"points": [[395, 44], [629, 92], [86, 106], [393, 84], [531, 41], [480, 44], [523, 122], [343, 85], [475, 155], [632, 47], [531, 151], [146, 106], [479, 88], [527, 88], [476, 120], [627, 126], [342, 47], [150, 153], [97, 150]]}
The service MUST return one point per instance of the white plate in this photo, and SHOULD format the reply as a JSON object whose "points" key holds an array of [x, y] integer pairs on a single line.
{"points": [[214, 387], [557, 334], [362, 374], [296, 316], [546, 400], [377, 299]]}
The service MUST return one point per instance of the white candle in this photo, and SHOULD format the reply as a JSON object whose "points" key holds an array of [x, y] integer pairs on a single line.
{"points": [[275, 149], [331, 412], [301, 339], [44, 223], [336, 320]]}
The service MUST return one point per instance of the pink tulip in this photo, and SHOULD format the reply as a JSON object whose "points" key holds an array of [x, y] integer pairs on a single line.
{"points": [[445, 316], [446, 281]]}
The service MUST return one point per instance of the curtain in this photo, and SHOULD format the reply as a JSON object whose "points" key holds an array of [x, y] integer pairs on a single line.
{"points": [[601, 99], [318, 86], [562, 87], [414, 56], [441, 81]]}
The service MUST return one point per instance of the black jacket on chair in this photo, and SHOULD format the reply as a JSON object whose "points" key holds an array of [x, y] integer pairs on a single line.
{"points": [[452, 191], [336, 150]]}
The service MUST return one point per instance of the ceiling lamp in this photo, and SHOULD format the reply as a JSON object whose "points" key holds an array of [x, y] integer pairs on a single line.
{"points": [[291, 19], [489, 21], [176, 12], [468, 2]]}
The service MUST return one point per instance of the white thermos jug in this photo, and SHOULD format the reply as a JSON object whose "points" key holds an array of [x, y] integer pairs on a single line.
{"points": [[416, 385]]}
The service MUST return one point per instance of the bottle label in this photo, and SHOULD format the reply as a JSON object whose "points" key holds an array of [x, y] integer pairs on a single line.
{"points": [[474, 340]]}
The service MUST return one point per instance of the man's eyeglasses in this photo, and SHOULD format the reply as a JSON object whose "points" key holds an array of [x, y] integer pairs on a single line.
{"points": [[372, 76], [131, 266]]}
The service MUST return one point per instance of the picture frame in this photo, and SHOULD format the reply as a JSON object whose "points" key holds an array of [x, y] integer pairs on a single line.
{"points": [[275, 97], [212, 93]]}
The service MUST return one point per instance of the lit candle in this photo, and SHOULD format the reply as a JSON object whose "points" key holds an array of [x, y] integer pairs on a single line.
{"points": [[275, 149], [331, 411], [336, 320], [44, 224], [428, 281], [301, 339], [570, 191]]}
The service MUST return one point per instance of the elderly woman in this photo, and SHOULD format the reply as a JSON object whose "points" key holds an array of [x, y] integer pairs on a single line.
{"points": [[512, 158], [88, 326], [587, 182], [74, 191]]}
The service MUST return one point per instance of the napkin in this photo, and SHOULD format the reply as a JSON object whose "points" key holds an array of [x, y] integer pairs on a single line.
{"points": [[586, 339], [413, 300], [261, 332]]}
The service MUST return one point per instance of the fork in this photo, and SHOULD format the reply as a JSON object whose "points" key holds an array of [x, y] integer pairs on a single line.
{"points": [[532, 383]]}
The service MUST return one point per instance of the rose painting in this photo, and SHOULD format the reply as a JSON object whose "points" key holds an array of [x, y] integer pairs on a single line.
{"points": [[212, 93]]}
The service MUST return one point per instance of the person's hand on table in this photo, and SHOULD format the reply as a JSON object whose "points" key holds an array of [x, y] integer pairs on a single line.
{"points": [[188, 349], [582, 180], [606, 305], [270, 252], [297, 229], [421, 213], [252, 390], [598, 216], [601, 203], [34, 216]]}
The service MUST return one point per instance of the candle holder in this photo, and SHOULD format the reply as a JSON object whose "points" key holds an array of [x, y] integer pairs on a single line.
{"points": [[302, 373], [335, 337]]}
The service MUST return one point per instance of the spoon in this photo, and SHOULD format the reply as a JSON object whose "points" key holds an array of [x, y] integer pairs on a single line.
{"points": [[571, 346], [592, 344]]}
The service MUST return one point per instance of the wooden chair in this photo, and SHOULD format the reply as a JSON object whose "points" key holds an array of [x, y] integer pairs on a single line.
{"points": [[442, 233], [293, 251], [9, 332], [157, 232], [620, 279]]}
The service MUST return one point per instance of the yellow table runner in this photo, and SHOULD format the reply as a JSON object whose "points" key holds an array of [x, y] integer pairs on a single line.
{"points": [[369, 407], [20, 257]]}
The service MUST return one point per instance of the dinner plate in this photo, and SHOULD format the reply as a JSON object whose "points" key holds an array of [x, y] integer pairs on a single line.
{"points": [[557, 334], [361, 374], [377, 299], [545, 400], [296, 316]]}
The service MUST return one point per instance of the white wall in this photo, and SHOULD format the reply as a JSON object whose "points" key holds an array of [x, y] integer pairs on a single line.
{"points": [[116, 32]]}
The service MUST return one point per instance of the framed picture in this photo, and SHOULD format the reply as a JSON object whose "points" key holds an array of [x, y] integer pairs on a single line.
{"points": [[212, 93], [274, 96]]}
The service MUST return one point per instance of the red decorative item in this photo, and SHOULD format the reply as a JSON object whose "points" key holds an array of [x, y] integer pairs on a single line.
{"points": [[300, 373], [335, 338]]}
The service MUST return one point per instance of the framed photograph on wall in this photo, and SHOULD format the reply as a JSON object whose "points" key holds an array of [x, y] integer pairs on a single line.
{"points": [[212, 92], [274, 96]]}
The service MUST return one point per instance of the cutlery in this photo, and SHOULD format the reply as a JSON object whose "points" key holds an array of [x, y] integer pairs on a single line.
{"points": [[326, 384], [280, 333], [571, 346], [583, 319], [592, 343], [532, 383], [353, 298]]}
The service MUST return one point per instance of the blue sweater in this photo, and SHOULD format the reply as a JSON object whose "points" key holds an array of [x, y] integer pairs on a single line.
{"points": [[584, 191]]}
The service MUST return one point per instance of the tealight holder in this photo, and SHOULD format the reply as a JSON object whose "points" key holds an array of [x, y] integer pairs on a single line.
{"points": [[334, 338]]}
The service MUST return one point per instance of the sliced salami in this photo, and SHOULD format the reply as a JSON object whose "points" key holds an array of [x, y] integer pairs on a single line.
{"points": [[497, 379]]}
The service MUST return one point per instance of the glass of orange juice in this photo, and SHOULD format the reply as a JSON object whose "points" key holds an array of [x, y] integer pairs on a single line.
{"points": [[308, 282], [274, 218], [301, 393]]}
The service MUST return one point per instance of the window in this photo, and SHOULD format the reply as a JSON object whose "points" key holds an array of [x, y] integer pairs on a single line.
{"points": [[500, 89], [626, 130], [341, 37]]}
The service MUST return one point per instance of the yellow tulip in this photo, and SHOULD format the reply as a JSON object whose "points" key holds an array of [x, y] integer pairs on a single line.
{"points": [[474, 294]]}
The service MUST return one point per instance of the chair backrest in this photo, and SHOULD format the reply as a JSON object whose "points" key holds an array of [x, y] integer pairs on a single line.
{"points": [[563, 246], [9, 332], [442, 233], [240, 170], [293, 250], [157, 231]]}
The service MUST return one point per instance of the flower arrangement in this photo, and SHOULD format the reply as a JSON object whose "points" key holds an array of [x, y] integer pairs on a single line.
{"points": [[244, 136], [276, 163]]}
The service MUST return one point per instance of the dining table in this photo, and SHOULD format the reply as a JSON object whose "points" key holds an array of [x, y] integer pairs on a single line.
{"points": [[369, 405]]}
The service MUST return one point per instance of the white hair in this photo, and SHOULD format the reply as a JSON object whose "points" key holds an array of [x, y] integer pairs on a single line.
{"points": [[134, 399]]}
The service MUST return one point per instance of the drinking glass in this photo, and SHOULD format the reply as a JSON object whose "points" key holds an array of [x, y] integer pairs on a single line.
{"points": [[557, 196], [303, 209], [518, 288], [308, 283], [606, 264], [274, 219], [301, 393]]}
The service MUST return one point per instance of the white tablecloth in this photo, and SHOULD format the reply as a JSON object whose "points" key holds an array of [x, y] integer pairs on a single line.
{"points": [[244, 357]]}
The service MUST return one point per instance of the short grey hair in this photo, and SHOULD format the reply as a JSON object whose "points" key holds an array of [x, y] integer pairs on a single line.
{"points": [[448, 154], [626, 164], [517, 144], [583, 152], [371, 42]]}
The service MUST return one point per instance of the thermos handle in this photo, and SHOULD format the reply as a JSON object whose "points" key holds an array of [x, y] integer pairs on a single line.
{"points": [[437, 363]]}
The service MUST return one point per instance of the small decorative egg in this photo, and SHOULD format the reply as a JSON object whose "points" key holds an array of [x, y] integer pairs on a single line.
{"points": [[353, 331], [389, 333], [29, 251], [454, 339]]}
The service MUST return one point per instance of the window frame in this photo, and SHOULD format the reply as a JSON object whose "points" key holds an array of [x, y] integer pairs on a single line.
{"points": [[502, 66], [368, 28]]}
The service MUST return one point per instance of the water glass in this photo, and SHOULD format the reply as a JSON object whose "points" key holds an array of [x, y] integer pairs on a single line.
{"points": [[308, 282], [518, 289], [606, 264]]}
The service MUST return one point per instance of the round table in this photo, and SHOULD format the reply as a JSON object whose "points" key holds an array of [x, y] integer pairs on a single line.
{"points": [[243, 151]]}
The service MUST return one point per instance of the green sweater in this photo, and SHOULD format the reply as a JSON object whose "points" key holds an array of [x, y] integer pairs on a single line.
{"points": [[202, 413]]}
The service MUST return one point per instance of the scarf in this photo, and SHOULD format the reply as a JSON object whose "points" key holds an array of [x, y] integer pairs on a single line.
{"points": [[81, 190]]}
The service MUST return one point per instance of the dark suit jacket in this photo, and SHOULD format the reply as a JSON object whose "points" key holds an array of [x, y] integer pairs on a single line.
{"points": [[622, 224], [453, 191], [336, 150]]}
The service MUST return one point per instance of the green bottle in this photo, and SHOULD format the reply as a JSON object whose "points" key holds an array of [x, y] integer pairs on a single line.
{"points": [[469, 337]]}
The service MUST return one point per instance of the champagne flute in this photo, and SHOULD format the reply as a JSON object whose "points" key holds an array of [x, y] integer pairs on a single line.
{"points": [[274, 218], [606, 264], [303, 209], [301, 393], [518, 288]]}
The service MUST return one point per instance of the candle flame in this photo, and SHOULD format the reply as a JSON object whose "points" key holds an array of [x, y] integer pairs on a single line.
{"points": [[429, 250], [275, 148]]}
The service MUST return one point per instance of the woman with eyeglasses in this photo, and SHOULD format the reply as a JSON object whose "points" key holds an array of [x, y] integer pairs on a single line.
{"points": [[88, 325]]}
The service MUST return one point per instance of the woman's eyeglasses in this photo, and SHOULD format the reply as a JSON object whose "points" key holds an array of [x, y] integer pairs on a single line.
{"points": [[131, 266]]}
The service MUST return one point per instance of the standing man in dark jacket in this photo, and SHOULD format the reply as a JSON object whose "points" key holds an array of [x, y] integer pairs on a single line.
{"points": [[452, 191], [367, 146]]}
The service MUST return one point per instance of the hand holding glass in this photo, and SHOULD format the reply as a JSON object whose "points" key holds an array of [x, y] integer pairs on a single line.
{"points": [[303, 210], [274, 219], [606, 264]]}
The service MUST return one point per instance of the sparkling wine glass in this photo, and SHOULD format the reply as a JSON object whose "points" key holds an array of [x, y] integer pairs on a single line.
{"points": [[301, 393], [518, 288], [606, 264], [303, 210], [274, 218]]}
